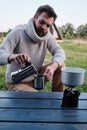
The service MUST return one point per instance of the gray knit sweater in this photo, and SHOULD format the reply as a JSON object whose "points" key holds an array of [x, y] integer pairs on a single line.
{"points": [[25, 40]]}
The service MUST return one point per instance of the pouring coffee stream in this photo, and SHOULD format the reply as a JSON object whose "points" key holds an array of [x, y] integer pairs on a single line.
{"points": [[28, 70], [38, 79]]}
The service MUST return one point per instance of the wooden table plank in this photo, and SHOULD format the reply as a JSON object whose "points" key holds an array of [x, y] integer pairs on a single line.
{"points": [[36, 95], [44, 115], [37, 103], [41, 126], [27, 104], [29, 95]]}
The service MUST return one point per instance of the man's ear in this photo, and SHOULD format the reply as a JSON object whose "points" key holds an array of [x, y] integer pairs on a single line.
{"points": [[35, 17]]}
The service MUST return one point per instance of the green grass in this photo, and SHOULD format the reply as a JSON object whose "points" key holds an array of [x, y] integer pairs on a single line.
{"points": [[2, 78], [76, 53], [76, 56]]}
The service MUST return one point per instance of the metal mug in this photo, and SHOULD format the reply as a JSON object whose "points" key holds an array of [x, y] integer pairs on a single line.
{"points": [[38, 81]]}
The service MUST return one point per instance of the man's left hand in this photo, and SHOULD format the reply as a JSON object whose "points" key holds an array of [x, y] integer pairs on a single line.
{"points": [[50, 70]]}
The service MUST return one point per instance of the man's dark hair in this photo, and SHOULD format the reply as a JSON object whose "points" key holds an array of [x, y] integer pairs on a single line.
{"points": [[48, 9]]}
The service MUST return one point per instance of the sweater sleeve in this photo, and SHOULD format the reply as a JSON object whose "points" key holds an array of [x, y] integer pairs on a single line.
{"points": [[7, 47], [58, 54]]}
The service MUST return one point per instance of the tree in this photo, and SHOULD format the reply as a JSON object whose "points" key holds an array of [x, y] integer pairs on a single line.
{"points": [[68, 31], [82, 31]]}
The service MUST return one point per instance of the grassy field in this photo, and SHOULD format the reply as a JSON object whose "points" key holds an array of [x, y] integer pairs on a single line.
{"points": [[76, 53], [76, 56]]}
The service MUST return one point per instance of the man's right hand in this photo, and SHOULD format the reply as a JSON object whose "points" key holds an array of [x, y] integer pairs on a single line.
{"points": [[19, 58]]}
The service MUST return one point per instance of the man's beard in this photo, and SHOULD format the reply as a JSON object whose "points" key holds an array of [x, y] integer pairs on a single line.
{"points": [[40, 32]]}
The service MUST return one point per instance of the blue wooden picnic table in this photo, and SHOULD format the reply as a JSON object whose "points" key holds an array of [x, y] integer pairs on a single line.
{"points": [[40, 111]]}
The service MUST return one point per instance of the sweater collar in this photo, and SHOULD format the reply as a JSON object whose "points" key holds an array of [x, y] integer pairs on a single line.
{"points": [[33, 35]]}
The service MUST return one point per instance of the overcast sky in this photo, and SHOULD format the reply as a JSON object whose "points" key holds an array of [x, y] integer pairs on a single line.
{"points": [[18, 12]]}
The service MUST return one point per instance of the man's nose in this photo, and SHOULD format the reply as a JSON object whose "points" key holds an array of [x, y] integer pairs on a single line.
{"points": [[44, 26]]}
